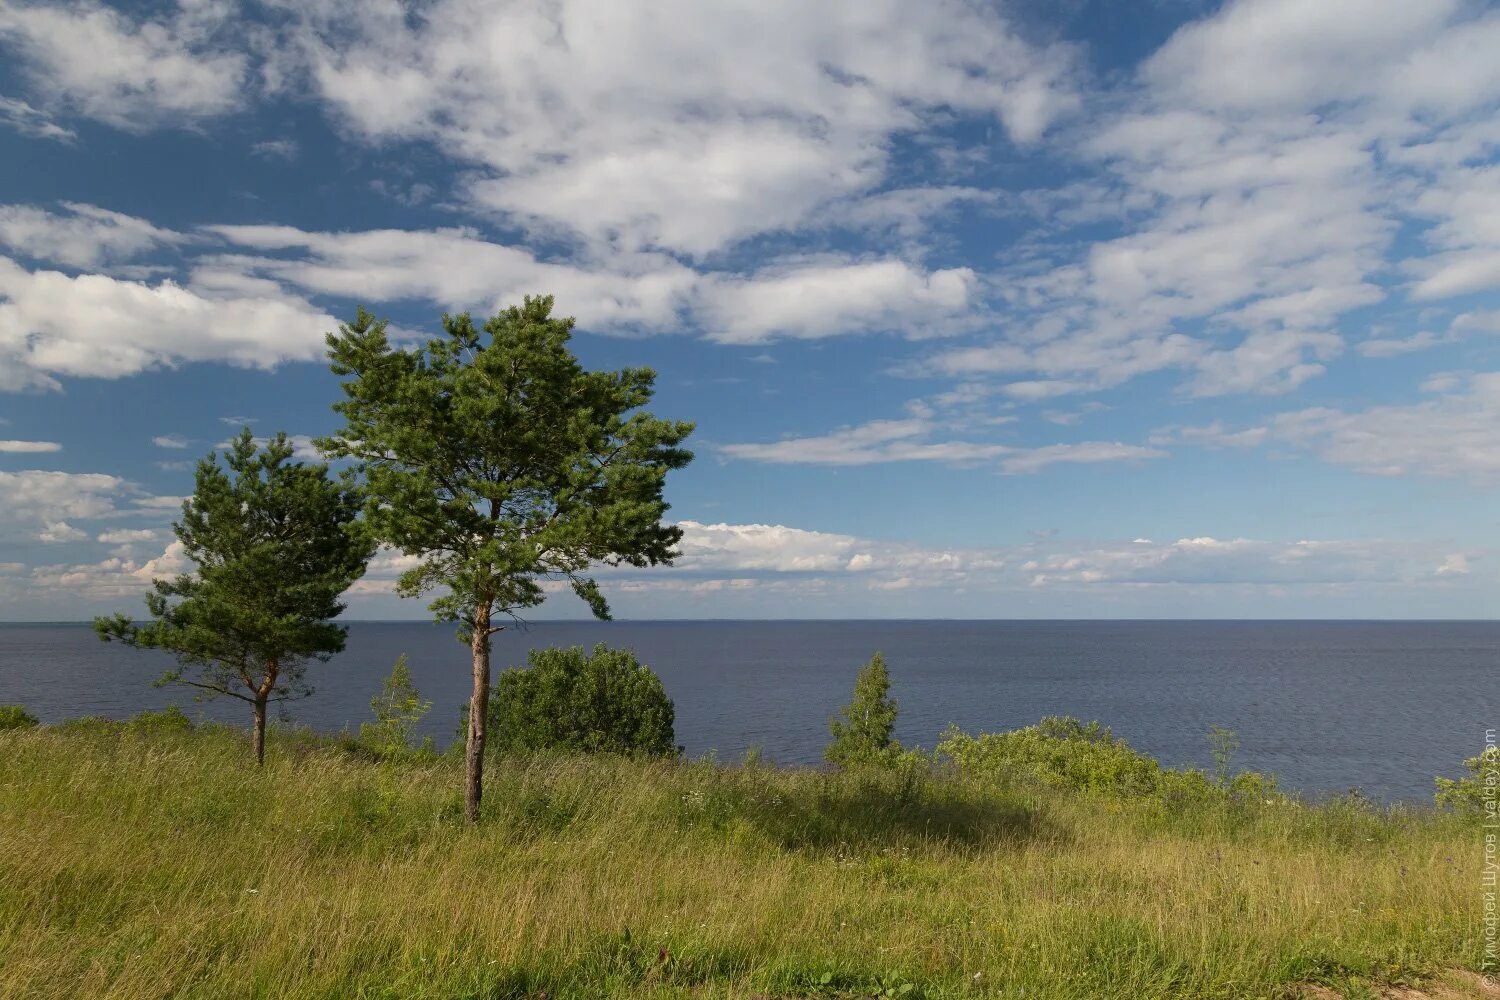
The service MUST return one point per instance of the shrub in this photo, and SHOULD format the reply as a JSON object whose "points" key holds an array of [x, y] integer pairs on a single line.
{"points": [[865, 733], [1467, 794], [398, 709], [571, 700], [169, 720], [16, 717], [1057, 751]]}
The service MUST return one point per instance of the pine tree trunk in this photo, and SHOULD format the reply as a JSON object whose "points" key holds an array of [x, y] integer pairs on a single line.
{"points": [[479, 704], [260, 732]]}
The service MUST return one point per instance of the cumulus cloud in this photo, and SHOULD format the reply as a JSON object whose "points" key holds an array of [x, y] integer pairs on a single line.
{"points": [[818, 298], [99, 62], [60, 531], [99, 326], [38, 496], [624, 125], [1260, 171]]}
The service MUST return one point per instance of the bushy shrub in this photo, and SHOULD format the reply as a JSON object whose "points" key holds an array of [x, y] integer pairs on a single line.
{"points": [[1057, 751], [575, 701], [398, 709], [1467, 794], [865, 734], [169, 720], [16, 717]]}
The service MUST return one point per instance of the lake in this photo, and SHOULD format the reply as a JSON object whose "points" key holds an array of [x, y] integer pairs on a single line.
{"points": [[1326, 706]]}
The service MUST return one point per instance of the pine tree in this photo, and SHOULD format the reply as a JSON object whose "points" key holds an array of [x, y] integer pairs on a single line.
{"points": [[275, 544], [493, 457]]}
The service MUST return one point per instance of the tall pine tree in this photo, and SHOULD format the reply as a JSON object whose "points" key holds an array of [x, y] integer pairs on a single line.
{"points": [[493, 457]]}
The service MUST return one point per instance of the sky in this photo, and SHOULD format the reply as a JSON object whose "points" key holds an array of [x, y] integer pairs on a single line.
{"points": [[1027, 310]]}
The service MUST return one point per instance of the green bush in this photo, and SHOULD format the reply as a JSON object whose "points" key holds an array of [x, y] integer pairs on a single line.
{"points": [[1467, 794], [865, 734], [1056, 751], [169, 720], [16, 717], [574, 701]]}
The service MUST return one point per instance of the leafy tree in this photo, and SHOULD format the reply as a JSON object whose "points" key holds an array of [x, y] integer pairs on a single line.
{"points": [[1478, 790], [276, 543], [493, 457], [865, 734], [398, 709], [568, 699]]}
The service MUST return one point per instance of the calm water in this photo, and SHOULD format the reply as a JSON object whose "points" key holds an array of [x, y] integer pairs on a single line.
{"points": [[1324, 705]]}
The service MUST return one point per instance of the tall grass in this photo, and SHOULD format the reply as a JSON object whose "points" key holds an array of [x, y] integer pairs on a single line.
{"points": [[153, 861]]}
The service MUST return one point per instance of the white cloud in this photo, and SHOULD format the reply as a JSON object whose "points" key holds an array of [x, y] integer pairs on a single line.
{"points": [[126, 536], [817, 298], [1391, 347], [28, 447], [911, 440], [116, 577], [85, 236], [1080, 453], [170, 441], [458, 269], [1456, 434], [68, 494], [1261, 170], [31, 122], [99, 326], [32, 501], [60, 531], [276, 149], [624, 124], [874, 442], [1213, 435], [98, 62], [753, 556], [799, 297]]}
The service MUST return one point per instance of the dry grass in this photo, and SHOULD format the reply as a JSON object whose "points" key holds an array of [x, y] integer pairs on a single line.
{"points": [[138, 864]]}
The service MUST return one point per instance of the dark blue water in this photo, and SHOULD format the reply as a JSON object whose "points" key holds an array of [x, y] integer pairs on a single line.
{"points": [[1326, 706]]}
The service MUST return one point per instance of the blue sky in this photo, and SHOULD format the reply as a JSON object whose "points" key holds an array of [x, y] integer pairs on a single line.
{"points": [[1027, 310]]}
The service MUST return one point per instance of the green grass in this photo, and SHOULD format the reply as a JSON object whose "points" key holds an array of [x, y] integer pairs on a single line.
{"points": [[153, 861]]}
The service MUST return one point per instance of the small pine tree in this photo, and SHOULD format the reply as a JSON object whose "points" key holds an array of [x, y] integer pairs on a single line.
{"points": [[865, 734], [398, 709]]}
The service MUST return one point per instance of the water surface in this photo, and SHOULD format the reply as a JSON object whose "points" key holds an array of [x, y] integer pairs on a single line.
{"points": [[1326, 706]]}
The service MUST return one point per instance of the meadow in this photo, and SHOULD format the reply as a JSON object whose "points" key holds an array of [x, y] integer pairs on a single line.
{"points": [[151, 859]]}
